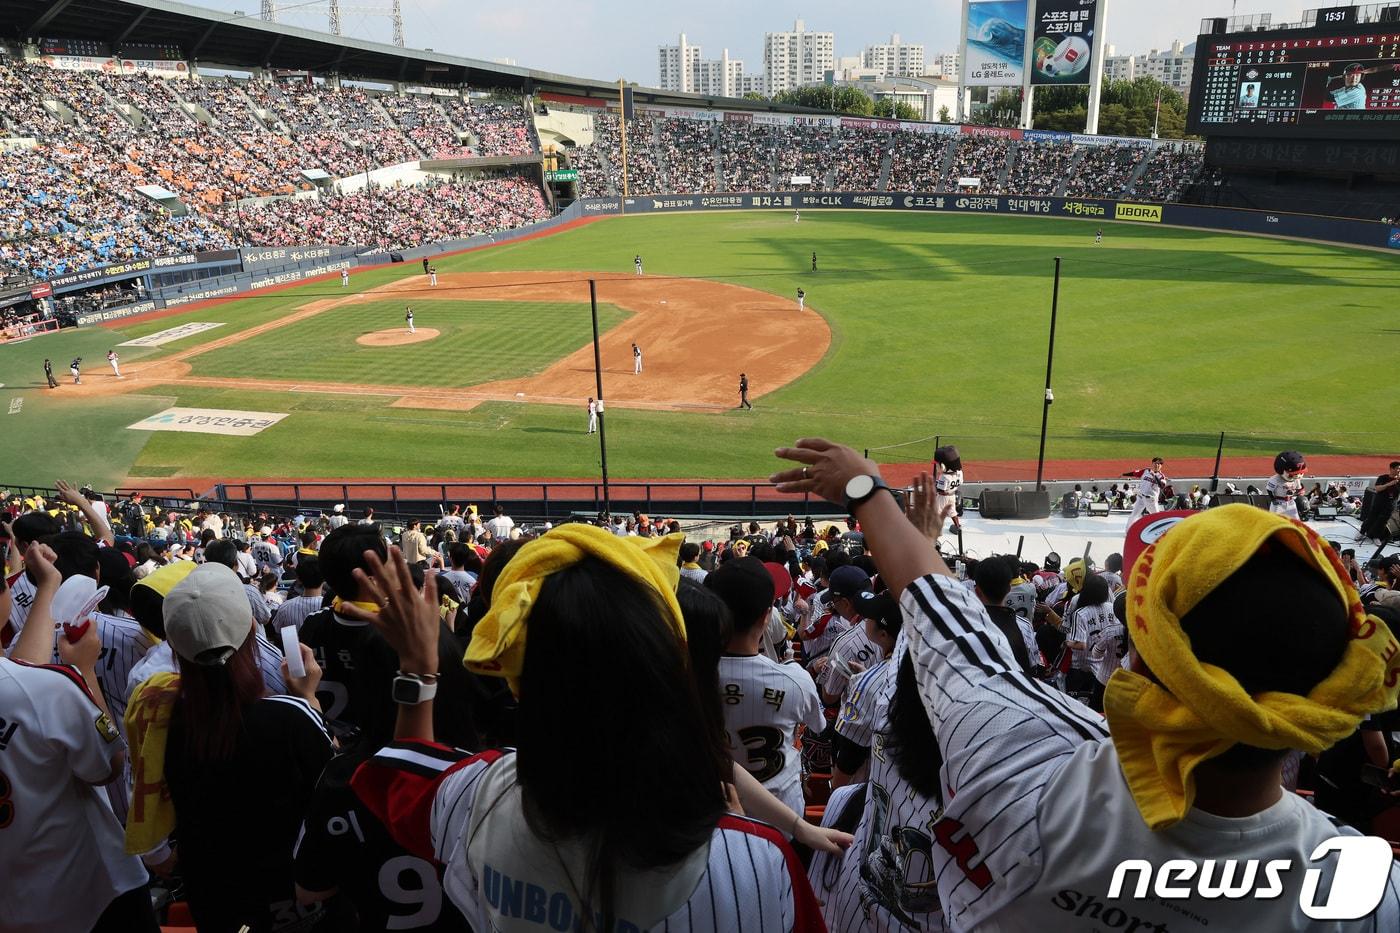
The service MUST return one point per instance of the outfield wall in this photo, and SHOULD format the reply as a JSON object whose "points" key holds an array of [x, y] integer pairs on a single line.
{"points": [[1301, 226]]}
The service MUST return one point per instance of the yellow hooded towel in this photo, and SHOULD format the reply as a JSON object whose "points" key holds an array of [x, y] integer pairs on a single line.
{"points": [[498, 640], [1163, 732]]}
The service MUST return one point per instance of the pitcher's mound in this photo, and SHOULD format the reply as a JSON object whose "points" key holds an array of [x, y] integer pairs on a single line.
{"points": [[396, 337]]}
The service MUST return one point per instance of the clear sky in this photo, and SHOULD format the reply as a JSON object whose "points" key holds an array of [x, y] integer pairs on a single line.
{"points": [[610, 39]]}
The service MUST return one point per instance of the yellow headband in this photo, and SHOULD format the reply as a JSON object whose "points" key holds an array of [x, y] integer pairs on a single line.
{"points": [[498, 640], [1163, 732]]}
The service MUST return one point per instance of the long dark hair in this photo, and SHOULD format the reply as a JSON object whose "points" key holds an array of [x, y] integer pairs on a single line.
{"points": [[910, 741], [708, 625], [582, 782], [209, 708], [480, 602]]}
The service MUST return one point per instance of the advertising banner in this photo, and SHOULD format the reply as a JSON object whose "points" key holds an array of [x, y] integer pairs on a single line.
{"points": [[996, 43], [1063, 47]]}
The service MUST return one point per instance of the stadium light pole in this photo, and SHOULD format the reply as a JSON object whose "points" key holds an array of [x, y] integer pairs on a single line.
{"points": [[598, 379], [1049, 366]]}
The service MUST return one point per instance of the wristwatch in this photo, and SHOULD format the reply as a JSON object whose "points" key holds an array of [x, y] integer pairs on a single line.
{"points": [[413, 689], [862, 487]]}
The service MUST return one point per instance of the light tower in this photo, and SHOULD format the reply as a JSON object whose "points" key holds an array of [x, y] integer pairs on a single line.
{"points": [[268, 13], [398, 24]]}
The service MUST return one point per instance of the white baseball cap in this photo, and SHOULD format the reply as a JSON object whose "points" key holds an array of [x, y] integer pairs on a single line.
{"points": [[207, 615]]}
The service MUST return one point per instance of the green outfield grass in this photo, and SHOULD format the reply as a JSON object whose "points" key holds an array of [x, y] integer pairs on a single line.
{"points": [[479, 341], [939, 323]]}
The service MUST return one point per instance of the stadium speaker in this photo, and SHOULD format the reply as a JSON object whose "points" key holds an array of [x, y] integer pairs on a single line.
{"points": [[1008, 503], [1098, 509], [1219, 25], [1326, 513], [1069, 505]]}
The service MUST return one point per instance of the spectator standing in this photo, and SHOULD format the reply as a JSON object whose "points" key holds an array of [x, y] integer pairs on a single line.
{"points": [[415, 545], [295, 611], [500, 524], [1383, 503]]}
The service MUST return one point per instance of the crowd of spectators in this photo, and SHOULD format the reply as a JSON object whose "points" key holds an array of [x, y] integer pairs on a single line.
{"points": [[397, 217], [689, 153], [1169, 172], [400, 685], [1104, 171], [499, 126], [746, 155], [1039, 168], [424, 122], [916, 159], [981, 157]]}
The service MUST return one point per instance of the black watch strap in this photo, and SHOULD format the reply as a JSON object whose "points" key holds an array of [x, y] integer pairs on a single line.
{"points": [[879, 485]]}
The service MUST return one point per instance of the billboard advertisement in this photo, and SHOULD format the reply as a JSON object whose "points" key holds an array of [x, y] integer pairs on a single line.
{"points": [[996, 43], [1062, 49]]}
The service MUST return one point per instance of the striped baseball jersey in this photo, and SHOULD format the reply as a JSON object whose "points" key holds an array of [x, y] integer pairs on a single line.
{"points": [[1038, 815], [821, 634], [295, 610], [764, 703], [885, 880], [745, 880], [161, 660], [853, 645], [63, 857], [22, 592]]}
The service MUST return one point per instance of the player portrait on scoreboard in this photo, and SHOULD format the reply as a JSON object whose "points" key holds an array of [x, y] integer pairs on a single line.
{"points": [[1249, 94]]}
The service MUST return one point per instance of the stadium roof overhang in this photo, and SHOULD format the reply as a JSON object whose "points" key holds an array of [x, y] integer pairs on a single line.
{"points": [[244, 40]]}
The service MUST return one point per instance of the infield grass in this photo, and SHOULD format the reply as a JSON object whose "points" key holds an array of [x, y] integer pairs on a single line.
{"points": [[1165, 338]]}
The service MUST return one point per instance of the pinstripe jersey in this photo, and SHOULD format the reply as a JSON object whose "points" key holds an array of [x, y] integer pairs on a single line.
{"points": [[764, 702], [21, 598], [746, 880], [885, 880], [1038, 814], [295, 610], [853, 645], [161, 660]]}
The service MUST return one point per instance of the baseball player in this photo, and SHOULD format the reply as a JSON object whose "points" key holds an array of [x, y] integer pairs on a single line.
{"points": [[48, 374], [764, 701], [636, 360], [814, 260], [1284, 487], [801, 299], [637, 263], [1352, 94], [408, 319], [76, 369], [744, 392], [1031, 779], [115, 362], [432, 276], [796, 216], [1098, 237], [344, 277], [1151, 483], [425, 265], [592, 415]]}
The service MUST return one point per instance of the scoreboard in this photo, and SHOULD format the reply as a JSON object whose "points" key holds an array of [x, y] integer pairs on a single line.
{"points": [[1325, 82]]}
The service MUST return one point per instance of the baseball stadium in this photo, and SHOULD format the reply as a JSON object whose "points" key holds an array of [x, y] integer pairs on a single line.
{"points": [[259, 279]]}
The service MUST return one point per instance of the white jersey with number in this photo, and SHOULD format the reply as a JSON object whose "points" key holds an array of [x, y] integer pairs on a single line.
{"points": [[885, 880], [948, 484], [764, 703], [1283, 495], [1032, 780], [466, 813], [853, 645], [62, 851]]}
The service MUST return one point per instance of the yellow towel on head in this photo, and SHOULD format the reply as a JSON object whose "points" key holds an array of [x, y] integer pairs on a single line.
{"points": [[498, 640], [1075, 572], [1162, 732]]}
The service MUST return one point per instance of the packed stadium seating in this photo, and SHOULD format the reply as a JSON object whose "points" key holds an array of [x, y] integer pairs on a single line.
{"points": [[216, 142]]}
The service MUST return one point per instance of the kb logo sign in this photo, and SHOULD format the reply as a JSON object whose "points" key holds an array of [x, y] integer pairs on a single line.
{"points": [[1361, 869]]}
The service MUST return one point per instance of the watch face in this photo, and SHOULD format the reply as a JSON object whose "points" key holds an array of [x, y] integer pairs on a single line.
{"points": [[406, 691], [858, 487]]}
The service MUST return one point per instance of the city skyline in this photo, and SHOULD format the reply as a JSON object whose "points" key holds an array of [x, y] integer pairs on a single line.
{"points": [[610, 39]]}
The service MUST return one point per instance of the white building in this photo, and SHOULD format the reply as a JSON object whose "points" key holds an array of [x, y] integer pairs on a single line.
{"points": [[792, 59], [946, 65], [894, 59], [676, 66], [1173, 67], [682, 67]]}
